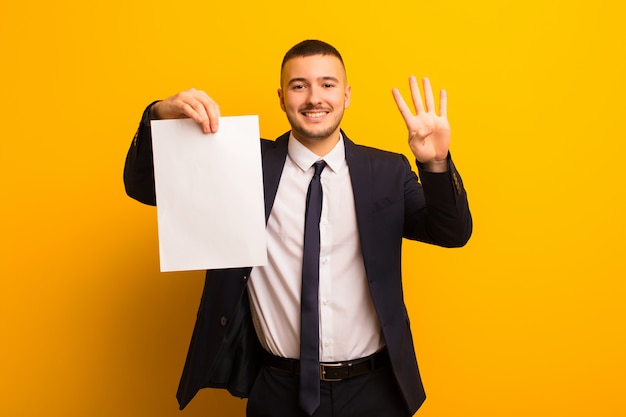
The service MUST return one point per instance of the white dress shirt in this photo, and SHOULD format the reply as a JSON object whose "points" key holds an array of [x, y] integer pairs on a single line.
{"points": [[349, 327]]}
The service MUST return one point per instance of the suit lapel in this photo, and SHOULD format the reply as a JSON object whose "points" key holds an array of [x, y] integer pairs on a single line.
{"points": [[273, 156], [359, 165], [360, 168]]}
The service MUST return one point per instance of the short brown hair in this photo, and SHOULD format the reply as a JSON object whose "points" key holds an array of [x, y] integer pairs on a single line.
{"points": [[310, 47]]}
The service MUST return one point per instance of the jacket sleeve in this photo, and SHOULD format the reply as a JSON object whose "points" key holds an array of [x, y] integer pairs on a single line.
{"points": [[444, 217], [139, 167]]}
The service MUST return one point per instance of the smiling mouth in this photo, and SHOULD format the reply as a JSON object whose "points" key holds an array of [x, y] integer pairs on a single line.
{"points": [[316, 114]]}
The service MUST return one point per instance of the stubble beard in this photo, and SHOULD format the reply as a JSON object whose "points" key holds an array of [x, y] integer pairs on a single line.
{"points": [[302, 132]]}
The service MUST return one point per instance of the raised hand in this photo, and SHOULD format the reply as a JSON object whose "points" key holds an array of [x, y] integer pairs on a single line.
{"points": [[194, 104], [429, 133]]}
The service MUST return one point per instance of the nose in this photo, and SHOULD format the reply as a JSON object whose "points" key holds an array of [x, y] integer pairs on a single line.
{"points": [[314, 96]]}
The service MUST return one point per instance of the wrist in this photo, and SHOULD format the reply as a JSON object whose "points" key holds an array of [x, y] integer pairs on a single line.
{"points": [[436, 165], [147, 114], [153, 113]]}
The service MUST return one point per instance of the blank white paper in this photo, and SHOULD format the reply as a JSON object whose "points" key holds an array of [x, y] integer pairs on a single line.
{"points": [[209, 192]]}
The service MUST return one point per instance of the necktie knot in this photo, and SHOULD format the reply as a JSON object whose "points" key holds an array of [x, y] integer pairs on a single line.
{"points": [[319, 167]]}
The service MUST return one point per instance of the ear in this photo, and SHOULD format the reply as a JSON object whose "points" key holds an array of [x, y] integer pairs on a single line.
{"points": [[347, 96], [280, 98]]}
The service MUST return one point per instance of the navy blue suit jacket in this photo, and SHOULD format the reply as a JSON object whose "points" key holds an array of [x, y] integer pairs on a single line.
{"points": [[390, 205]]}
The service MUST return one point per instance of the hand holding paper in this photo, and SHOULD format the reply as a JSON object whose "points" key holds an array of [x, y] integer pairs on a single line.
{"points": [[193, 104]]}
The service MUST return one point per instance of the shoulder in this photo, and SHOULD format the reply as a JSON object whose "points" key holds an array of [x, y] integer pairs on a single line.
{"points": [[377, 153], [281, 141], [374, 155]]}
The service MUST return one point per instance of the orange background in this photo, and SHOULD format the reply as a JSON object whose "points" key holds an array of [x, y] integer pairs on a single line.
{"points": [[527, 319]]}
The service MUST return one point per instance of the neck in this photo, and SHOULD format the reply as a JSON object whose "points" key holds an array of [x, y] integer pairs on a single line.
{"points": [[319, 147]]}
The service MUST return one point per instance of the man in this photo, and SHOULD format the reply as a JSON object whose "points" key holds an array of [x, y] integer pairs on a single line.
{"points": [[248, 336]]}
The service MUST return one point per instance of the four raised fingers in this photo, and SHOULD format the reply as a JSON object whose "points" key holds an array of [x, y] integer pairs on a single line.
{"points": [[418, 103]]}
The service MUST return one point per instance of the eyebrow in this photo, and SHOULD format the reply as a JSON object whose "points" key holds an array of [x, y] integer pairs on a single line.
{"points": [[302, 79]]}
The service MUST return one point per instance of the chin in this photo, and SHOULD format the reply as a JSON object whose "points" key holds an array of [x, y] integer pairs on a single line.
{"points": [[314, 135]]}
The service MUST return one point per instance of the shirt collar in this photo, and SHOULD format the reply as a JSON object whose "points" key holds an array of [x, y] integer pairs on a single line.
{"points": [[304, 158]]}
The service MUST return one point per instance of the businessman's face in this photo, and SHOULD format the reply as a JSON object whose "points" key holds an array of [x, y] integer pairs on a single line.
{"points": [[314, 93]]}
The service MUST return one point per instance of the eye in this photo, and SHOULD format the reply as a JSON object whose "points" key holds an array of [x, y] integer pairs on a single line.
{"points": [[299, 86], [328, 85]]}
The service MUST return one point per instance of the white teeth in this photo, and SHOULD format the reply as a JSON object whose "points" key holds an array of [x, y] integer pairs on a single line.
{"points": [[318, 114]]}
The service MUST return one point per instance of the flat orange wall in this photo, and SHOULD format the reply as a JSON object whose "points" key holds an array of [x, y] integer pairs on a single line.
{"points": [[527, 320]]}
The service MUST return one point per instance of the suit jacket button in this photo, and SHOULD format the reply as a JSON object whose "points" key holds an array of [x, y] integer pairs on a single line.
{"points": [[456, 183], [223, 321]]}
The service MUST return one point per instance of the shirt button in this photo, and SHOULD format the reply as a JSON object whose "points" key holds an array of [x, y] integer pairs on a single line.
{"points": [[325, 301], [223, 321], [324, 222], [326, 343], [324, 260]]}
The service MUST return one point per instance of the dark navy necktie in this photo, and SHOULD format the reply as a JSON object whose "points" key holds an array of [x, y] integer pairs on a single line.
{"points": [[309, 320]]}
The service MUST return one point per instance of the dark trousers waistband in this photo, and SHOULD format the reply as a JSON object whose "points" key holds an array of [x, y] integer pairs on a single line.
{"points": [[333, 371]]}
